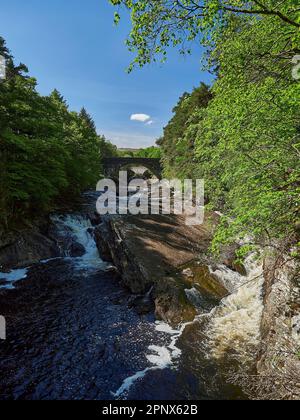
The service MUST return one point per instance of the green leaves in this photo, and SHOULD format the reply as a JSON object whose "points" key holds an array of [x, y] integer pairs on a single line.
{"points": [[158, 25], [46, 151], [117, 18], [178, 141], [244, 138]]}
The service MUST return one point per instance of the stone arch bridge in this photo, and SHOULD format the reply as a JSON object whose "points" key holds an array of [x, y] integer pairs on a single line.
{"points": [[112, 166]]}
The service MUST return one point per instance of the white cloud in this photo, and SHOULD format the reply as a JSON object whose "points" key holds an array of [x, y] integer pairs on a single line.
{"points": [[140, 117], [149, 122]]}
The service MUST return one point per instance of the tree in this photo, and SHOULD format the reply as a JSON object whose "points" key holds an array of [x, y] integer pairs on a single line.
{"points": [[177, 149], [160, 24], [48, 154], [150, 153], [245, 140]]}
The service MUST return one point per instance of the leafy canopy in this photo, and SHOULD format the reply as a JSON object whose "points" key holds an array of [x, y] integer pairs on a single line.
{"points": [[48, 154], [243, 137], [160, 24]]}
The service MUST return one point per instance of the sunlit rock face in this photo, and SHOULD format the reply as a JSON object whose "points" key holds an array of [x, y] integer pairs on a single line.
{"points": [[151, 251]]}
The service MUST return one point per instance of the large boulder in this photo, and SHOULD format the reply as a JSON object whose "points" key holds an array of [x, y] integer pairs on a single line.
{"points": [[150, 253], [27, 246]]}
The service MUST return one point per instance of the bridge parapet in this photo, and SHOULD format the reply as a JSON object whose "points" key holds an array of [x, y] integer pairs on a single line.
{"points": [[112, 166]]}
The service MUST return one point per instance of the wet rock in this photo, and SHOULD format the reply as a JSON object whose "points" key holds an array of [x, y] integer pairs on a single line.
{"points": [[143, 305], [24, 248], [234, 266], [112, 269], [76, 250], [171, 303], [205, 282], [102, 241], [229, 258], [148, 251], [95, 219]]}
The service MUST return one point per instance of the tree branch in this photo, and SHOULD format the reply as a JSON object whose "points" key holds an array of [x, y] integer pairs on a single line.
{"points": [[263, 11]]}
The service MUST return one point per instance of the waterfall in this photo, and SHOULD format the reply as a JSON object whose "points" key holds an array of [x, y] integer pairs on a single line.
{"points": [[81, 228], [234, 326]]}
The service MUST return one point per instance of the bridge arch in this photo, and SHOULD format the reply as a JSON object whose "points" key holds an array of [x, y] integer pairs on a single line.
{"points": [[112, 166]]}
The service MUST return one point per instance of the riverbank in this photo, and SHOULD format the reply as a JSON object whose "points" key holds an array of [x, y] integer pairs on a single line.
{"points": [[228, 324], [155, 255], [29, 243], [253, 323], [75, 332]]}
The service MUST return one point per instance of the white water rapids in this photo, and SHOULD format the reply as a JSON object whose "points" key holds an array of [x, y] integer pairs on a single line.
{"points": [[231, 328], [234, 326], [80, 227]]}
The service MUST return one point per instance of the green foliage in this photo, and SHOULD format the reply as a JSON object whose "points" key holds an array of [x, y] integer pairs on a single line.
{"points": [[150, 152], [244, 139], [46, 151], [177, 147], [158, 25], [247, 144]]}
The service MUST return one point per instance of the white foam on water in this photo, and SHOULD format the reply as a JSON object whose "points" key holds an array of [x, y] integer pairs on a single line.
{"points": [[175, 335], [53, 259], [12, 277], [80, 227], [234, 326], [127, 384], [161, 357], [165, 328], [230, 279]]}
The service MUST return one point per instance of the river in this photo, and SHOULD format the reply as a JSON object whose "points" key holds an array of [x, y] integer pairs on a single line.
{"points": [[72, 334]]}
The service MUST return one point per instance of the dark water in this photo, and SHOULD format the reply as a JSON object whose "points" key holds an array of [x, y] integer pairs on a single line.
{"points": [[72, 334]]}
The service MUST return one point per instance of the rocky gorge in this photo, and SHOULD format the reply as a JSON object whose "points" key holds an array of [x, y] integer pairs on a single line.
{"points": [[96, 284]]}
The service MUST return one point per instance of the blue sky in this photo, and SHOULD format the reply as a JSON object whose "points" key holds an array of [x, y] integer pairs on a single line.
{"points": [[73, 46]]}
